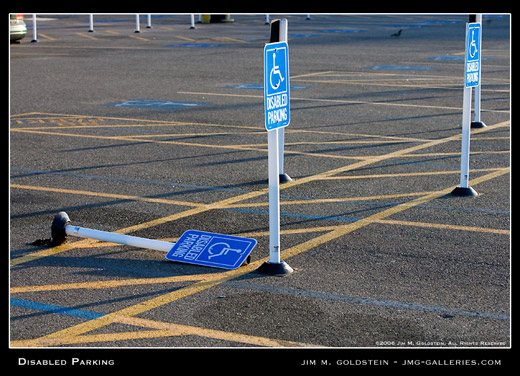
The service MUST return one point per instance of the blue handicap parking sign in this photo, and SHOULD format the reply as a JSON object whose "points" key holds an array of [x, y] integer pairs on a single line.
{"points": [[209, 249], [472, 68], [276, 85]]}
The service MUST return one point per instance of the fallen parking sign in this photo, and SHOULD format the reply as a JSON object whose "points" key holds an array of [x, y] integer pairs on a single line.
{"points": [[209, 249]]}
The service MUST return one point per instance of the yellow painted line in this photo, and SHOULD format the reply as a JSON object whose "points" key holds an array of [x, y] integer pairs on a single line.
{"points": [[137, 138], [108, 195], [261, 192], [210, 333], [108, 284], [289, 231], [134, 139], [141, 226], [142, 307], [229, 39], [184, 38], [46, 36], [161, 329], [332, 200], [216, 279], [405, 174], [87, 36], [343, 101], [343, 230], [444, 226], [93, 338], [492, 138], [155, 135], [25, 114], [310, 74], [454, 154], [138, 37], [86, 126], [151, 123], [350, 142], [50, 252], [56, 338]]}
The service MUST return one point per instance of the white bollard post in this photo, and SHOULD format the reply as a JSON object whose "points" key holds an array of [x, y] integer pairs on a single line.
{"points": [[35, 33], [192, 21], [149, 21], [267, 21], [137, 26], [91, 23]]}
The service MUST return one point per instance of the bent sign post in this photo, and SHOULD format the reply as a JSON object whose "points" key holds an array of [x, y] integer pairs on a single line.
{"points": [[193, 247]]}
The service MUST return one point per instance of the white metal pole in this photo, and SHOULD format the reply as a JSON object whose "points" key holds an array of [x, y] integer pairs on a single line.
{"points": [[91, 23], [274, 197], [477, 88], [112, 237], [466, 125], [281, 131], [35, 33], [137, 27], [149, 21], [267, 22], [192, 21]]}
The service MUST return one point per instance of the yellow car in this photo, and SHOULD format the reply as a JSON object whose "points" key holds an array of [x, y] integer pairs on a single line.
{"points": [[17, 28]]}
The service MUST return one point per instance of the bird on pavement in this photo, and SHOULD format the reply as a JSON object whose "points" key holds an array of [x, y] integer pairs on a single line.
{"points": [[397, 35]]}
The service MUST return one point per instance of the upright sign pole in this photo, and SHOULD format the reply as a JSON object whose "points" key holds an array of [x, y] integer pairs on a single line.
{"points": [[279, 34], [277, 116], [476, 123], [471, 79]]}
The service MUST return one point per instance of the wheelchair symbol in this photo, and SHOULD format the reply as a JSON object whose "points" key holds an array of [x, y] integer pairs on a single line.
{"points": [[473, 46], [275, 71], [221, 249]]}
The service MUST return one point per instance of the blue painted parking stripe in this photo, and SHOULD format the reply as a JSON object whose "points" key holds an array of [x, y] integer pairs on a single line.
{"points": [[51, 308], [196, 45], [398, 67], [387, 303], [156, 104], [257, 86]]}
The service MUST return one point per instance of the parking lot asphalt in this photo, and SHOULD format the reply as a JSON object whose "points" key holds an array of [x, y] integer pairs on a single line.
{"points": [[154, 133]]}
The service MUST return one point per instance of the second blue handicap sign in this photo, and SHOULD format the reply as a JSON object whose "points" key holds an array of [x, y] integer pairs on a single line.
{"points": [[209, 249], [276, 85], [472, 69]]}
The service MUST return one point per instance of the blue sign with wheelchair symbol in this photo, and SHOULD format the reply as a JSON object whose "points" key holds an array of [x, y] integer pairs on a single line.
{"points": [[276, 85], [472, 69], [209, 249]]}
